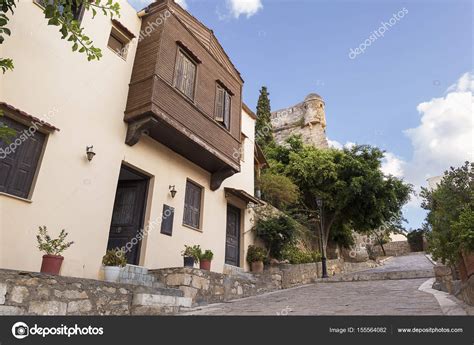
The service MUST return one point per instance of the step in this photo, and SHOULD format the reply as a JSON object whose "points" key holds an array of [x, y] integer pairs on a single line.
{"points": [[160, 300], [383, 275], [136, 275]]}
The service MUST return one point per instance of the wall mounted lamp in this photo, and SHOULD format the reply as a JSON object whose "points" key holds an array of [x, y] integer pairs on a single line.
{"points": [[172, 191], [90, 152]]}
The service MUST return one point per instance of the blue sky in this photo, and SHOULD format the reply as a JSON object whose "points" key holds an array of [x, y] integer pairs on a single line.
{"points": [[302, 46]]}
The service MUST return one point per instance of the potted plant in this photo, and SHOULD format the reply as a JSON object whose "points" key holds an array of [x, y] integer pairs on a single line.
{"points": [[255, 257], [52, 260], [191, 255], [205, 260], [113, 261]]}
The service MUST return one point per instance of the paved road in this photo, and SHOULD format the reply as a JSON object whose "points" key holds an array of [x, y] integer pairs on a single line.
{"points": [[381, 297]]}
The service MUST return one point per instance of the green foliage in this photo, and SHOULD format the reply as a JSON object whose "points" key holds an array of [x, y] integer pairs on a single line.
{"points": [[296, 255], [278, 190], [194, 252], [415, 239], [52, 246], [114, 257], [61, 13], [354, 191], [255, 254], [207, 255], [263, 125], [276, 232], [6, 134], [450, 216], [342, 235]]}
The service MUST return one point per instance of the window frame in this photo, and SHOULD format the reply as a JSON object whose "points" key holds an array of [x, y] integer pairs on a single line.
{"points": [[39, 159], [181, 51], [201, 205], [224, 118], [122, 38]]}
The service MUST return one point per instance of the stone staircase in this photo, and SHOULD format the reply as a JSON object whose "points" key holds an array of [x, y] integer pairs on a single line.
{"points": [[138, 275], [154, 298]]}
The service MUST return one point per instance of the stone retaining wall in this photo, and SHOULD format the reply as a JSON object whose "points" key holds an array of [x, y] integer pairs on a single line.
{"points": [[28, 293], [395, 248], [445, 281], [205, 287]]}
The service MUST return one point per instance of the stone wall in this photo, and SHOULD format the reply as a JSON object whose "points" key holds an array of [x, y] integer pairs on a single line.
{"points": [[395, 248], [27, 293], [445, 280], [307, 118], [205, 287]]}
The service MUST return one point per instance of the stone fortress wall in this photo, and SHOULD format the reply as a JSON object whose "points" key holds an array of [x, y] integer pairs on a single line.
{"points": [[307, 118]]}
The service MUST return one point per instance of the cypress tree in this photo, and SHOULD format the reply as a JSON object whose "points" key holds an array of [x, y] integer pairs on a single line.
{"points": [[263, 126]]}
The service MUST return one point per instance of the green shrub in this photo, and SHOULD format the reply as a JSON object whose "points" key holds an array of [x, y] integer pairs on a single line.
{"points": [[194, 252], [255, 254], [207, 255], [114, 257], [276, 233], [52, 246], [297, 256], [278, 190]]}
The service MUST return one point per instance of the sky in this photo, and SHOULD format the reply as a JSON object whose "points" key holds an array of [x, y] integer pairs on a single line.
{"points": [[394, 74]]}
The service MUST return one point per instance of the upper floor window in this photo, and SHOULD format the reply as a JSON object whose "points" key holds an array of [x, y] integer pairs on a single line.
{"points": [[192, 205], [223, 104], [185, 74], [77, 10], [19, 158]]}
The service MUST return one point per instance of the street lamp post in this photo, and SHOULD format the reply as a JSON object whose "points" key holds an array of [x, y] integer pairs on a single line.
{"points": [[323, 248]]}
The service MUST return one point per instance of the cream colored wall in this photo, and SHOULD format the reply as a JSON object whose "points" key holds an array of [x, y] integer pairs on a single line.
{"points": [[245, 180], [86, 100]]}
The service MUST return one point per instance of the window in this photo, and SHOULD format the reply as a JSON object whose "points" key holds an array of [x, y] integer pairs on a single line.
{"points": [[77, 10], [118, 43], [185, 74], [192, 205], [19, 159], [223, 105]]}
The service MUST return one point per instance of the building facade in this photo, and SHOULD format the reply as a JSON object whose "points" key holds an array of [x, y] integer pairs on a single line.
{"points": [[148, 149]]}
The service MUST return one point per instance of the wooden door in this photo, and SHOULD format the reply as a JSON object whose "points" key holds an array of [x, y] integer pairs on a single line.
{"points": [[232, 245], [127, 218]]}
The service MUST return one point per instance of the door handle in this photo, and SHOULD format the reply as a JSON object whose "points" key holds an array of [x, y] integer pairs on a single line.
{"points": [[119, 230]]}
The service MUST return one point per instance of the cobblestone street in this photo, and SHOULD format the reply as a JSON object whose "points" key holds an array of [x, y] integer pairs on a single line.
{"points": [[378, 297]]}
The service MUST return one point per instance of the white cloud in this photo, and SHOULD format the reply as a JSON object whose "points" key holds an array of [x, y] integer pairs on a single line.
{"points": [[445, 135], [182, 3], [392, 165], [337, 145], [247, 8]]}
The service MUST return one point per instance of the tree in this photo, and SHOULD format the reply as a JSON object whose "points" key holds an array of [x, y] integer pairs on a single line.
{"points": [[278, 190], [263, 125], [63, 14], [451, 214], [353, 190]]}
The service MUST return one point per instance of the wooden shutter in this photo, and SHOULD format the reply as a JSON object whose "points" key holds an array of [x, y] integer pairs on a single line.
{"points": [[227, 110], [192, 205], [190, 74], [179, 71], [17, 169], [220, 96]]}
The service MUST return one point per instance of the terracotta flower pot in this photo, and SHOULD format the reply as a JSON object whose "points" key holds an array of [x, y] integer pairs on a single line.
{"points": [[205, 265], [51, 264], [257, 267]]}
